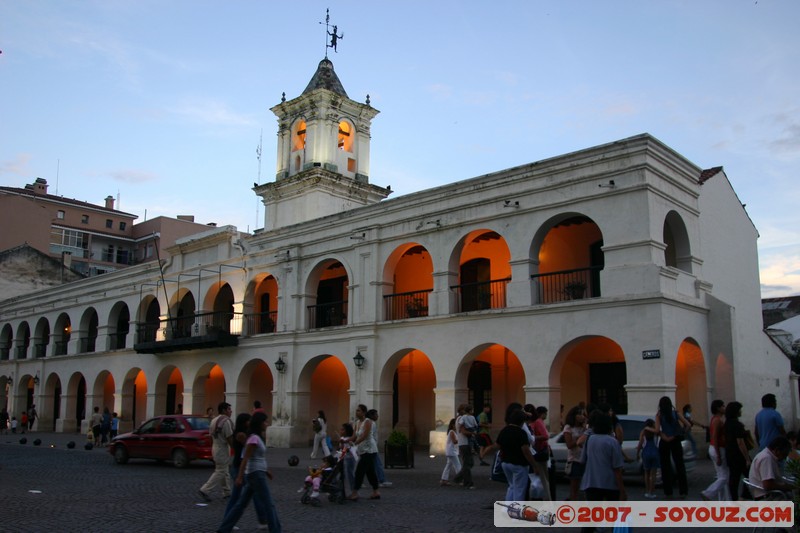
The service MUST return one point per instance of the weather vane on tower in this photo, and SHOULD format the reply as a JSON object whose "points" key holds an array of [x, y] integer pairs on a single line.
{"points": [[332, 34]]}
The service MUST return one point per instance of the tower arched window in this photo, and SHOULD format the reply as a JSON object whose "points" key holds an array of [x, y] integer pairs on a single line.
{"points": [[345, 140], [299, 136]]}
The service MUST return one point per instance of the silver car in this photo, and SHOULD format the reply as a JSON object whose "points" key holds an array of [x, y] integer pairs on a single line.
{"points": [[632, 426]]}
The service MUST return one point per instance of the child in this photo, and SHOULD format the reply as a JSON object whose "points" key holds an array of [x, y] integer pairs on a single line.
{"points": [[24, 421], [648, 452], [315, 475], [13, 424], [347, 453], [451, 453]]}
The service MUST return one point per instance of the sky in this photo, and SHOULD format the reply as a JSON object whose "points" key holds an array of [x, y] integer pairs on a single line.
{"points": [[163, 103]]}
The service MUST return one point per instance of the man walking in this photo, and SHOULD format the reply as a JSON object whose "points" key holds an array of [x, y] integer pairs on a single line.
{"points": [[769, 423], [221, 430]]}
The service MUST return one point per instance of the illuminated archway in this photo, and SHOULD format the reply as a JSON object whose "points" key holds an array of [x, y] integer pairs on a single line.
{"points": [[589, 369], [323, 384], [410, 375], [691, 380]]}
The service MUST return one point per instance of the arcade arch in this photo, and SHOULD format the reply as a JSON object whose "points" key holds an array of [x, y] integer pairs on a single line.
{"points": [[569, 255], [408, 282], [481, 259]]}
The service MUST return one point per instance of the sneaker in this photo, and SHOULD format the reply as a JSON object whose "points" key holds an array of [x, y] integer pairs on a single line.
{"points": [[263, 526], [206, 497], [386, 484]]}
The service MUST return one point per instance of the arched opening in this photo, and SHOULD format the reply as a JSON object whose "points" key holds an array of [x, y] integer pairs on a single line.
{"points": [[75, 410], [169, 394], [325, 382], [490, 374], [262, 298], [677, 251], [134, 400], [484, 271], [691, 380], [329, 283], [222, 311], [257, 382], [184, 315], [149, 320], [299, 135], [344, 140], [88, 340], [208, 389], [408, 274], [41, 338], [119, 320], [413, 398], [6, 342], [50, 410], [62, 333], [570, 258], [103, 392], [591, 370], [23, 340]]}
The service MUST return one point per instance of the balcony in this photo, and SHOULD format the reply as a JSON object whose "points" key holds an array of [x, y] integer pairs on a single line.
{"points": [[39, 350], [327, 315], [406, 305], [217, 329], [60, 348], [481, 295], [259, 323], [567, 285]]}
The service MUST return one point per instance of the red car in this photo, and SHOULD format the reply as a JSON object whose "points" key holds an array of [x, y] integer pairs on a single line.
{"points": [[177, 438]]}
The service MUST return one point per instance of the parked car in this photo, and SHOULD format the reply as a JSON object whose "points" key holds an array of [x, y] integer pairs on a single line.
{"points": [[177, 438], [631, 427]]}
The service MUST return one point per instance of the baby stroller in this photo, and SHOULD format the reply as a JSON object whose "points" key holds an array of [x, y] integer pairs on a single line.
{"points": [[332, 484]]}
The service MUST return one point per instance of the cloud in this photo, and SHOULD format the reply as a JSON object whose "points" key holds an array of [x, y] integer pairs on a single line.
{"points": [[783, 289], [211, 112], [132, 176], [18, 165]]}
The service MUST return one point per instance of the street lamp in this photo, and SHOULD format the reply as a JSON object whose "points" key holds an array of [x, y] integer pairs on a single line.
{"points": [[280, 364], [359, 360], [36, 378]]}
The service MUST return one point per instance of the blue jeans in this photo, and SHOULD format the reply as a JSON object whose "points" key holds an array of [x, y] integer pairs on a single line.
{"points": [[517, 476], [236, 490], [256, 488]]}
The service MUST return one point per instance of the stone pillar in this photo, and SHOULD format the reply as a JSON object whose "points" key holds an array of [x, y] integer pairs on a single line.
{"points": [[442, 299], [445, 409], [103, 341], [520, 290]]}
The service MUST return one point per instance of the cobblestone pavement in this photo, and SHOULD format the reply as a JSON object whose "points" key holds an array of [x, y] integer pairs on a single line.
{"points": [[50, 488]]}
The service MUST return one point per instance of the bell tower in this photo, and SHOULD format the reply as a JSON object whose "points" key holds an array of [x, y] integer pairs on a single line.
{"points": [[323, 154]]}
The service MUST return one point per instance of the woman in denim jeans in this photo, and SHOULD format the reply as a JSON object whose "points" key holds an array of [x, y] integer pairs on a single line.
{"points": [[254, 468]]}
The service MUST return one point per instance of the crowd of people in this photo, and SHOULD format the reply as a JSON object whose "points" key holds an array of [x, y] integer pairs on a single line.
{"points": [[595, 458]]}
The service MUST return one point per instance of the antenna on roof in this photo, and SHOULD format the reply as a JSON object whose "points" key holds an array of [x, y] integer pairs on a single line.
{"points": [[258, 156], [334, 37]]}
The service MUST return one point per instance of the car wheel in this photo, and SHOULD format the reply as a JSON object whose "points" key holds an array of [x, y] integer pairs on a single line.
{"points": [[120, 455], [180, 459]]}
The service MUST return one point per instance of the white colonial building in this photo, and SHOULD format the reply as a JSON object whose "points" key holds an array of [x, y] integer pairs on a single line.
{"points": [[619, 274]]}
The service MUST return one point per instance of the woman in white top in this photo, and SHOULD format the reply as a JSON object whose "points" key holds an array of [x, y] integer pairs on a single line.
{"points": [[254, 470], [320, 435], [367, 452]]}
